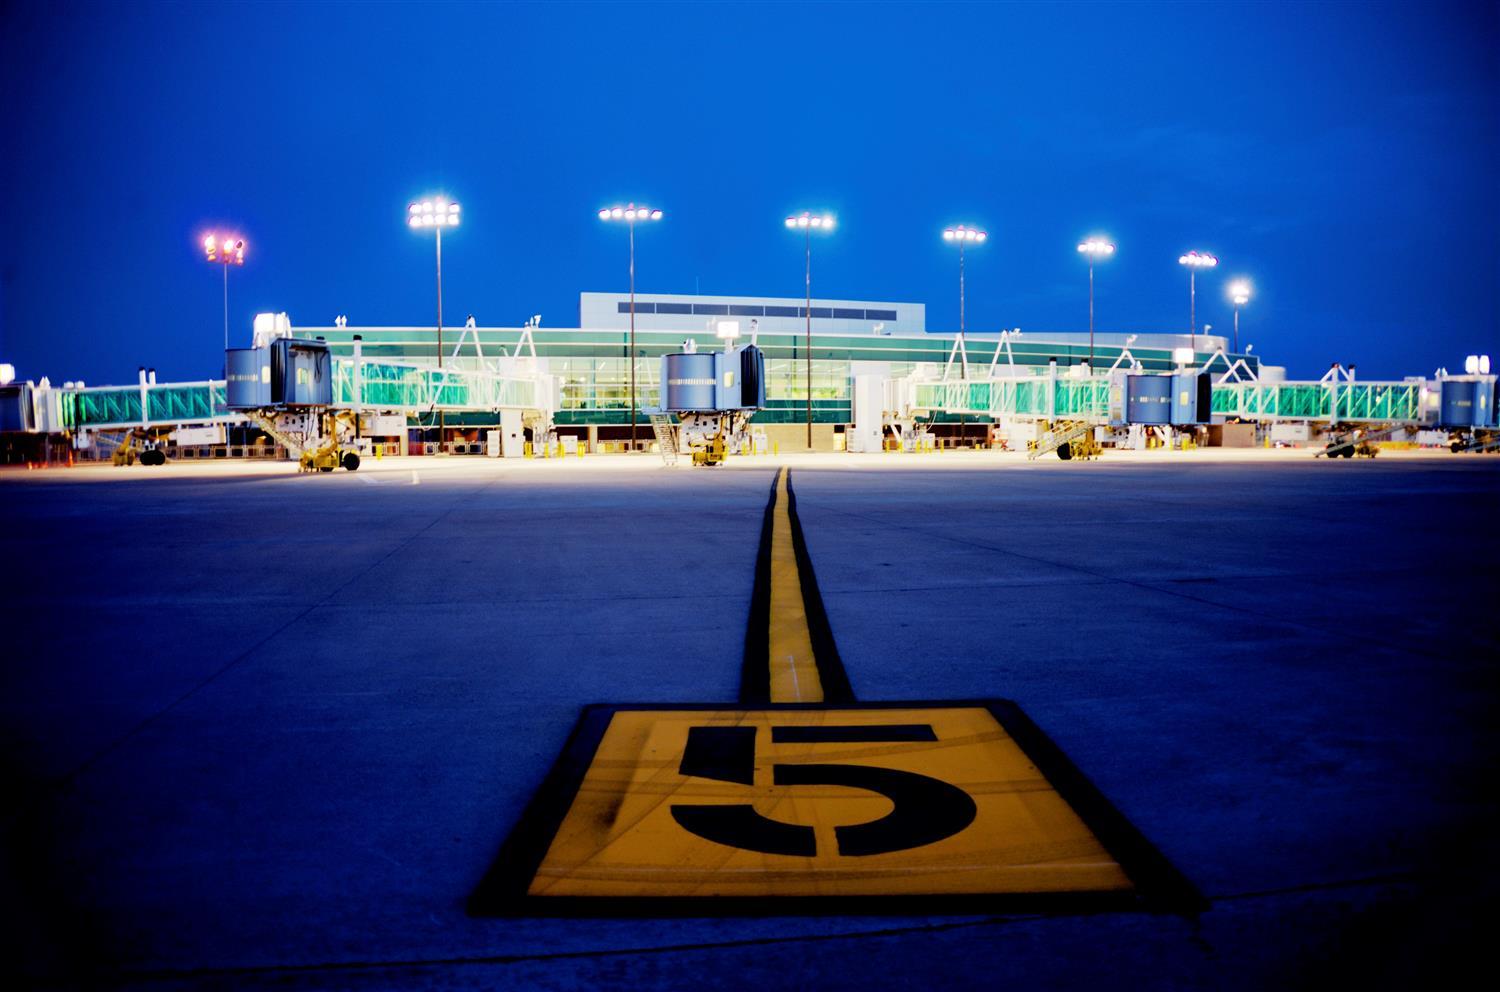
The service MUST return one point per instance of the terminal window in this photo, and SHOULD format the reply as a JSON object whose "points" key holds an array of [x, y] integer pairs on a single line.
{"points": [[751, 310]]}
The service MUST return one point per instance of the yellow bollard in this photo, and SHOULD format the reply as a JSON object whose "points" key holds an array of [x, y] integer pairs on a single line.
{"points": [[776, 447]]}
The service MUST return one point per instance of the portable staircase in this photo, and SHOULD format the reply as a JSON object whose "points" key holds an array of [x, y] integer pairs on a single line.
{"points": [[106, 443], [1057, 437], [664, 426], [295, 442]]}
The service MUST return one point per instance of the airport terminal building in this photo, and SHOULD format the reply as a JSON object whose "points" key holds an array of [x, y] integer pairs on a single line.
{"points": [[591, 362], [839, 374]]}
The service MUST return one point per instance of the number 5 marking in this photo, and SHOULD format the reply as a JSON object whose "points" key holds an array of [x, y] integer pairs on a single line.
{"points": [[926, 810]]}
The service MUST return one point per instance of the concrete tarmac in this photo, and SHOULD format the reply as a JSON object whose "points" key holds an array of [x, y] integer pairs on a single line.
{"points": [[261, 729]]}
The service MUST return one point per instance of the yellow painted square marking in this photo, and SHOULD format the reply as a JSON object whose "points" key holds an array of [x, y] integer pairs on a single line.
{"points": [[947, 803]]}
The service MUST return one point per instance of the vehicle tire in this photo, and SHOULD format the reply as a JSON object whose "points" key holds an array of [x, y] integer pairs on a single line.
{"points": [[351, 460], [1456, 447], [1065, 451], [1349, 452]]}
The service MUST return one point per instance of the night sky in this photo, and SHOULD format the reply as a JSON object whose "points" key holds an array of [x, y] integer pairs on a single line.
{"points": [[1345, 157]]}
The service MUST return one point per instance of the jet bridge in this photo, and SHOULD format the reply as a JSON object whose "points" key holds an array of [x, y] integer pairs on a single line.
{"points": [[1060, 401], [1125, 395], [290, 387], [376, 385]]}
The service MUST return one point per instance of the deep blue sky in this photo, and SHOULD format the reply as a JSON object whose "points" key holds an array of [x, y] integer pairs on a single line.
{"points": [[1345, 157]]}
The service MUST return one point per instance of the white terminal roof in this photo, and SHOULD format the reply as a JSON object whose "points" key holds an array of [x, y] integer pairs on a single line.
{"points": [[680, 313], [677, 312]]}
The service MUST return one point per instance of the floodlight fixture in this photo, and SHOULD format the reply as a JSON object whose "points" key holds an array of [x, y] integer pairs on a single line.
{"points": [[963, 233], [630, 212], [811, 221], [226, 249], [435, 212]]}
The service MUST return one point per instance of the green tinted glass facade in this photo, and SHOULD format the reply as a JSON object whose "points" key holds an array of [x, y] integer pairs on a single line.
{"points": [[593, 366]]}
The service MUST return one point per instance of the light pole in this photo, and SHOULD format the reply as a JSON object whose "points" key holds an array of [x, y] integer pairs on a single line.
{"points": [[807, 223], [436, 213], [1195, 260], [630, 213], [1094, 249], [1239, 292], [962, 236], [227, 250]]}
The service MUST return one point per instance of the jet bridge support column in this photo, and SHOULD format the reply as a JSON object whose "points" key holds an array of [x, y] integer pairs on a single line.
{"points": [[512, 438], [868, 405], [355, 378], [1052, 390]]}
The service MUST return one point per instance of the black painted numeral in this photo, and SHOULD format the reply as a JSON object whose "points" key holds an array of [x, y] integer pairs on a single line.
{"points": [[926, 810]]}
